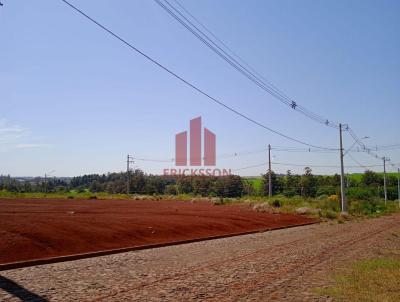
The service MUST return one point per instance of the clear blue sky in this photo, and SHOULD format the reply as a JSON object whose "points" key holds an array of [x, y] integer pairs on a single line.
{"points": [[75, 100]]}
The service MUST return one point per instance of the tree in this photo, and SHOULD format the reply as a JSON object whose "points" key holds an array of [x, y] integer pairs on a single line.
{"points": [[290, 184], [370, 178], [184, 185], [95, 187], [229, 186], [276, 183], [308, 185]]}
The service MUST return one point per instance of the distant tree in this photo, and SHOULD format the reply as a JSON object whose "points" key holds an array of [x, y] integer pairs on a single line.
{"points": [[276, 183], [184, 185], [138, 181], [95, 187], [335, 180], [171, 189], [229, 186], [290, 184], [308, 185], [370, 178]]}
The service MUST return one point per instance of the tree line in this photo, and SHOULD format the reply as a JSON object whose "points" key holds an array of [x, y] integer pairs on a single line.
{"points": [[369, 185]]}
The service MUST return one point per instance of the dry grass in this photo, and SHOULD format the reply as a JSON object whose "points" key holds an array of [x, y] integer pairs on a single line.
{"points": [[368, 280]]}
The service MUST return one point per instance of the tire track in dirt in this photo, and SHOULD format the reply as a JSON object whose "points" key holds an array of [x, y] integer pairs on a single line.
{"points": [[302, 265], [211, 265]]}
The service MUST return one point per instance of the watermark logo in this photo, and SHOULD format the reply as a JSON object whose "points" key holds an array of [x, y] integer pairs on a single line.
{"points": [[202, 152]]}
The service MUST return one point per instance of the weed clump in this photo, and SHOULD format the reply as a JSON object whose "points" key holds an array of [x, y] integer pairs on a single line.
{"points": [[276, 203]]}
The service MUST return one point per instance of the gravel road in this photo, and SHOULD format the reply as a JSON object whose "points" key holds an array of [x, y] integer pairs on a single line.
{"points": [[282, 265]]}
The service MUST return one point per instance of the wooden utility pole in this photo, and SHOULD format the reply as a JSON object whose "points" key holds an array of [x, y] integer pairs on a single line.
{"points": [[342, 186], [45, 183], [129, 160], [398, 185], [385, 159], [269, 172]]}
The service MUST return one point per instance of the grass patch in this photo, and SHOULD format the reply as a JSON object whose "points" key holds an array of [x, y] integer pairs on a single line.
{"points": [[367, 280]]}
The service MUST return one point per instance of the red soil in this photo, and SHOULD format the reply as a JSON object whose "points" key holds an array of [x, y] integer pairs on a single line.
{"points": [[34, 229]]}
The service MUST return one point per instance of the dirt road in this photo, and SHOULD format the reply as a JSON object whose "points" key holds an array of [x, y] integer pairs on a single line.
{"points": [[282, 265]]}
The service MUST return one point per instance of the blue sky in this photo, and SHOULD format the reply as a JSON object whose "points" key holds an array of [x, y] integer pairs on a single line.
{"points": [[75, 100]]}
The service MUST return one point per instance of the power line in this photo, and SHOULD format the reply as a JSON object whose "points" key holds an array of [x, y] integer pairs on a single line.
{"points": [[384, 147], [356, 161], [187, 82], [249, 72], [249, 167], [360, 143], [300, 165]]}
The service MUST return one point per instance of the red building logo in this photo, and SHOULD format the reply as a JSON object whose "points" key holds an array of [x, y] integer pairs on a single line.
{"points": [[208, 158]]}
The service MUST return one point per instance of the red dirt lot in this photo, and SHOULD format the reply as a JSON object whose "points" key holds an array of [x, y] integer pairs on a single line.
{"points": [[35, 229]]}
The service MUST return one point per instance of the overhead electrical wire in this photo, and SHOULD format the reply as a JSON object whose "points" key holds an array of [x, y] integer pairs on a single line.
{"points": [[384, 147], [301, 165], [240, 65], [356, 161], [187, 82], [361, 144]]}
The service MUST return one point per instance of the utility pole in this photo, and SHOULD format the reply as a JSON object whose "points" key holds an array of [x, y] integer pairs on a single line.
{"points": [[385, 159], [45, 179], [129, 160], [45, 183], [269, 172], [398, 185], [342, 189]]}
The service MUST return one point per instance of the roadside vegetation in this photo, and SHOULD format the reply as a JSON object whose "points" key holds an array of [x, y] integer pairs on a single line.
{"points": [[367, 280], [306, 194]]}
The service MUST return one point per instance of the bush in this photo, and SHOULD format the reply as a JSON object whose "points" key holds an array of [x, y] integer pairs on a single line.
{"points": [[276, 203], [326, 190], [217, 201], [330, 203], [289, 193], [322, 197], [367, 207], [329, 214], [361, 193], [171, 190]]}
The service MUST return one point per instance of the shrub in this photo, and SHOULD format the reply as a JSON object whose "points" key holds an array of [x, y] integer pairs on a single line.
{"points": [[276, 203], [361, 193], [289, 193], [329, 214], [331, 203], [322, 197], [367, 207], [326, 190], [171, 190], [217, 201], [333, 198]]}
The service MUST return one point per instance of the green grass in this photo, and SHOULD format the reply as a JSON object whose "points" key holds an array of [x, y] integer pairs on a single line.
{"points": [[357, 177], [368, 280], [256, 183]]}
